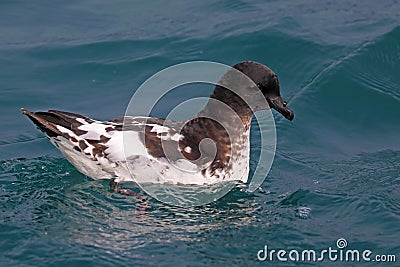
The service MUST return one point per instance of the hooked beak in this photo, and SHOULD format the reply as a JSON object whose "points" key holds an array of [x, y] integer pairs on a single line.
{"points": [[279, 105]]}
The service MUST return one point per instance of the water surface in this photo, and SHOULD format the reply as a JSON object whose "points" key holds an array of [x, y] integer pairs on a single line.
{"points": [[336, 170]]}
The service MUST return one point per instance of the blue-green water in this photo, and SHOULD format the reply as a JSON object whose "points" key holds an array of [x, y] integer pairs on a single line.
{"points": [[336, 172]]}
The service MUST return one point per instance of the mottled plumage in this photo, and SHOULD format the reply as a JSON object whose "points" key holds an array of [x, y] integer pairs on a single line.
{"points": [[157, 150]]}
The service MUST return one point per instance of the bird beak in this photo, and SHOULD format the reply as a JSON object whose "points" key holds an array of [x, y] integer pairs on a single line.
{"points": [[279, 105]]}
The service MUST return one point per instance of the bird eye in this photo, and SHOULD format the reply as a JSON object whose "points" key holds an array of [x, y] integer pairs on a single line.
{"points": [[284, 103]]}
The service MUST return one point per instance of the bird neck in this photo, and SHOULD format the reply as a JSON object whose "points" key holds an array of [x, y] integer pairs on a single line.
{"points": [[227, 108]]}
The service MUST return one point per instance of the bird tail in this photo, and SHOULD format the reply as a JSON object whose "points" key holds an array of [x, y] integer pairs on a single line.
{"points": [[48, 121]]}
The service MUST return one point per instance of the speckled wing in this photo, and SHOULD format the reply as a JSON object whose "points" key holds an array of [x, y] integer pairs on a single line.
{"points": [[96, 148]]}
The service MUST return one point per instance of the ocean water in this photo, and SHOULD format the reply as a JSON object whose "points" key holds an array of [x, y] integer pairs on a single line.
{"points": [[336, 172]]}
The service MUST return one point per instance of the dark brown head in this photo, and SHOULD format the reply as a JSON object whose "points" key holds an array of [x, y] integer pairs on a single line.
{"points": [[268, 83]]}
